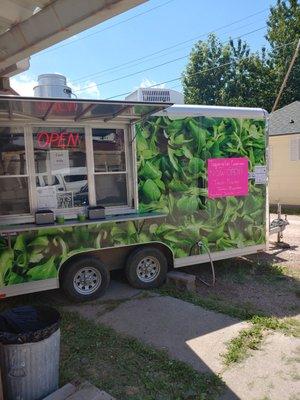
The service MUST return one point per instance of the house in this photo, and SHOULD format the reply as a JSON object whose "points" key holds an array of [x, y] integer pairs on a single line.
{"points": [[284, 155]]}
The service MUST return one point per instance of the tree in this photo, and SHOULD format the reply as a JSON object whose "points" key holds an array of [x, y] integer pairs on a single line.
{"points": [[283, 34], [230, 74], [206, 72], [226, 74]]}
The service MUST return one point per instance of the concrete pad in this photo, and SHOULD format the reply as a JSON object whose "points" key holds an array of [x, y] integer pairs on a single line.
{"points": [[119, 291], [189, 333], [116, 294], [271, 373]]}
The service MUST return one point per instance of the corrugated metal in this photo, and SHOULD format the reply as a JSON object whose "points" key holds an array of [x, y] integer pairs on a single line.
{"points": [[16, 11], [30, 371]]}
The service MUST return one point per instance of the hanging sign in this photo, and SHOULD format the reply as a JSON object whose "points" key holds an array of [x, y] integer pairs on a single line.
{"points": [[59, 160], [227, 177], [63, 140]]}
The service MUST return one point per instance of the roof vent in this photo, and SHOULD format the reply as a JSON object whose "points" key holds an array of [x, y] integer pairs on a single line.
{"points": [[156, 95]]}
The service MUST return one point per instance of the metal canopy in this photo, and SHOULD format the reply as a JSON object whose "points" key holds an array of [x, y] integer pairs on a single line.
{"points": [[29, 26], [16, 108]]}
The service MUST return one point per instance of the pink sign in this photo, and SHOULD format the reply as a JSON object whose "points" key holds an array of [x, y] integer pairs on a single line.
{"points": [[227, 177]]}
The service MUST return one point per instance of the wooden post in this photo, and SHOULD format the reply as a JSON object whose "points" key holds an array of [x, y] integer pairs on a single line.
{"points": [[286, 76]]}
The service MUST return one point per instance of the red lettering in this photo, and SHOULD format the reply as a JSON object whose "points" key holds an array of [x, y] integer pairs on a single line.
{"points": [[43, 139], [54, 139], [62, 140], [73, 140]]}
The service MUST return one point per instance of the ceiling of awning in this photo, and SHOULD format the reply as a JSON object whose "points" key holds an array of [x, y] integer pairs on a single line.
{"points": [[29, 26], [16, 108]]}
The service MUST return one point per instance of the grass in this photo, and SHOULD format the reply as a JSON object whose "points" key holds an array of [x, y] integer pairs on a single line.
{"points": [[248, 339], [210, 303], [251, 338], [126, 368], [290, 210], [238, 348], [120, 365], [245, 270]]}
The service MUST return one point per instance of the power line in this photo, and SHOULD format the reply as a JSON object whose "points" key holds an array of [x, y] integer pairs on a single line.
{"points": [[195, 73], [105, 29], [149, 57], [178, 44], [151, 68]]}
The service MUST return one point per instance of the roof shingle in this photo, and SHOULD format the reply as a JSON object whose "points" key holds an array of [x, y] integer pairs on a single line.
{"points": [[280, 122]]}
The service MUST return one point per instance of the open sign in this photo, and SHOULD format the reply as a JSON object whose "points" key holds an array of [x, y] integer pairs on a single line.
{"points": [[63, 140]]}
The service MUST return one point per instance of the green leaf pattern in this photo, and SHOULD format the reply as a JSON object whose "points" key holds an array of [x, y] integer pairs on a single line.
{"points": [[171, 157]]}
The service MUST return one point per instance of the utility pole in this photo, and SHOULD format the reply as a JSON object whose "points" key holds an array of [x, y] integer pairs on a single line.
{"points": [[286, 76]]}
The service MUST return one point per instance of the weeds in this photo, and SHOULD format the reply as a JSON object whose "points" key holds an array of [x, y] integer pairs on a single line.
{"points": [[126, 368], [249, 338]]}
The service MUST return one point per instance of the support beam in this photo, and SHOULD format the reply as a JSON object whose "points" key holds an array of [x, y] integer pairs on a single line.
{"points": [[146, 115], [83, 112], [48, 111], [120, 112], [58, 21]]}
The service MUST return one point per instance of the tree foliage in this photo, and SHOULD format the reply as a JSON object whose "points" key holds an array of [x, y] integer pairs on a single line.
{"points": [[283, 34], [230, 74]]}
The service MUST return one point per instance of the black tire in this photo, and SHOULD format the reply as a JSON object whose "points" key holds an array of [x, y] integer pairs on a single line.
{"points": [[85, 279], [136, 268]]}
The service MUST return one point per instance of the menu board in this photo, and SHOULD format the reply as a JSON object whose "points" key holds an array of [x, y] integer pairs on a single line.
{"points": [[227, 177]]}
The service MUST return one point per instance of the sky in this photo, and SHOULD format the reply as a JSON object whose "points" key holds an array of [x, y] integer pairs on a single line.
{"points": [[127, 51]]}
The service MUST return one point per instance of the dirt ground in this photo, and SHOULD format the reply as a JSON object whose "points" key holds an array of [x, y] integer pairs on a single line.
{"points": [[267, 282]]}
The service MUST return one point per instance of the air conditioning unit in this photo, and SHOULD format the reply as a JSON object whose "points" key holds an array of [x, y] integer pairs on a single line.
{"points": [[156, 95]]}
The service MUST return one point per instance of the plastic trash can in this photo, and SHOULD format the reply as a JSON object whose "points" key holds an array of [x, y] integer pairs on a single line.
{"points": [[29, 352]]}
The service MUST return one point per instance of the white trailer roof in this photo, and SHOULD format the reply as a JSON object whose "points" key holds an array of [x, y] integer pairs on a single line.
{"points": [[29, 26], [189, 110]]}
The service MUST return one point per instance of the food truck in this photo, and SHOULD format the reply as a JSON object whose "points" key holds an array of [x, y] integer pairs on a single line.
{"points": [[90, 186]]}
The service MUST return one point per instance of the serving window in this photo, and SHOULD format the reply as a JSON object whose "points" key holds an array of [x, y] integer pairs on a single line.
{"points": [[110, 168], [60, 167], [14, 193], [64, 169]]}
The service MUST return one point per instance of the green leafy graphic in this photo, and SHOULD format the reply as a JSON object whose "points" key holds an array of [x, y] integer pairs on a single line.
{"points": [[172, 179], [180, 150]]}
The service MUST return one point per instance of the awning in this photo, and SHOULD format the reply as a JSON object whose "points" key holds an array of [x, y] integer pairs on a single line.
{"points": [[49, 109], [29, 26]]}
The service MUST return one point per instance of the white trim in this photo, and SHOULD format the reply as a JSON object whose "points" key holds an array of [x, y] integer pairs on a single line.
{"points": [[185, 110], [267, 227], [111, 172], [29, 287], [123, 208], [90, 165], [29, 149], [217, 255], [132, 135]]}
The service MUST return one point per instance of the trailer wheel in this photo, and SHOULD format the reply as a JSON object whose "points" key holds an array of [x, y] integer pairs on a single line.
{"points": [[146, 268], [85, 278]]}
